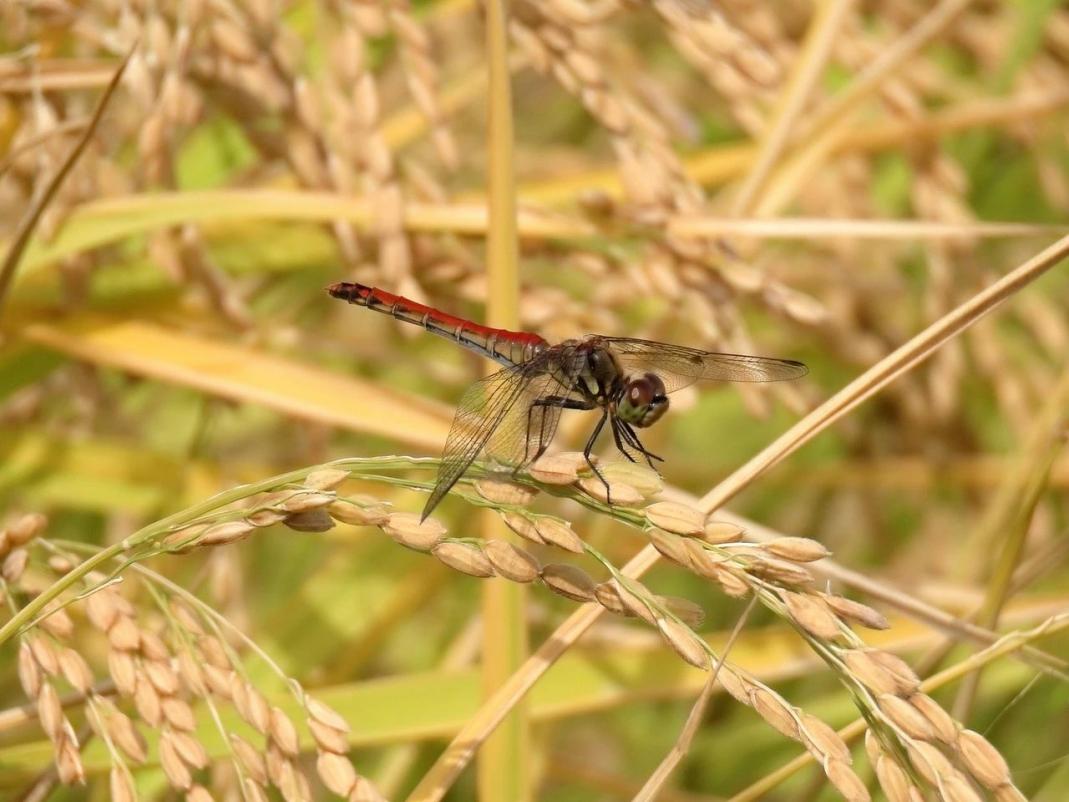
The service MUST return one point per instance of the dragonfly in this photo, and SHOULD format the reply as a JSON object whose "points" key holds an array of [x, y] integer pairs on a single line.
{"points": [[511, 416]]}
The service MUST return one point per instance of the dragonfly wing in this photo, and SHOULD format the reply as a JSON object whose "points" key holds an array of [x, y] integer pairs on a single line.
{"points": [[498, 417], [480, 412], [679, 366], [528, 428]]}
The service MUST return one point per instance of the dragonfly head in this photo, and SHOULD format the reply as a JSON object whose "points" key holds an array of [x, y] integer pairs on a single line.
{"points": [[643, 400]]}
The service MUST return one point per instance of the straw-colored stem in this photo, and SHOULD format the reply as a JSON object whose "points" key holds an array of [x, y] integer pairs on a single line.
{"points": [[503, 767]]}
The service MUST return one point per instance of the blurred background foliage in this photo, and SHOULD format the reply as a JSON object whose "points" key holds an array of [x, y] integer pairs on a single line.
{"points": [[168, 336]]}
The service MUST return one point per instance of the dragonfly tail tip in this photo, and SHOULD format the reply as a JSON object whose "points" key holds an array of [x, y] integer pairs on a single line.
{"points": [[339, 289]]}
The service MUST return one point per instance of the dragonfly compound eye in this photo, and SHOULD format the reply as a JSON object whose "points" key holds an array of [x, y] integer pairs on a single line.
{"points": [[643, 401]]}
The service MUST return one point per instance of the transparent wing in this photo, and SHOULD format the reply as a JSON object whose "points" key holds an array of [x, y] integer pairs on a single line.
{"points": [[528, 427], [497, 416], [679, 366]]}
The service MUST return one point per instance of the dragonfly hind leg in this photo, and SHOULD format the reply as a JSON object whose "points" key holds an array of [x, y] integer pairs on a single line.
{"points": [[561, 402]]}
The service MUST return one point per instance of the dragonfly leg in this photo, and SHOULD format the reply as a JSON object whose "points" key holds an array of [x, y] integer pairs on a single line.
{"points": [[590, 447], [547, 401], [619, 443], [632, 438]]}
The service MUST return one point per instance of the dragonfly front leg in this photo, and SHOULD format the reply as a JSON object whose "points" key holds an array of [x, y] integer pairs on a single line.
{"points": [[548, 401], [632, 438], [615, 423]]}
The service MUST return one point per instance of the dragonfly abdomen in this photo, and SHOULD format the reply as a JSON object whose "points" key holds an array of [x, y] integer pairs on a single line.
{"points": [[501, 345]]}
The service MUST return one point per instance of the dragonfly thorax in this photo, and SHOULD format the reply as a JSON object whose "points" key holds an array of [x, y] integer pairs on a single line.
{"points": [[642, 400]]}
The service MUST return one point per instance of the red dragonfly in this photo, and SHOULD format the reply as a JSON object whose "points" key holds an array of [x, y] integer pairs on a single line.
{"points": [[511, 416]]}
